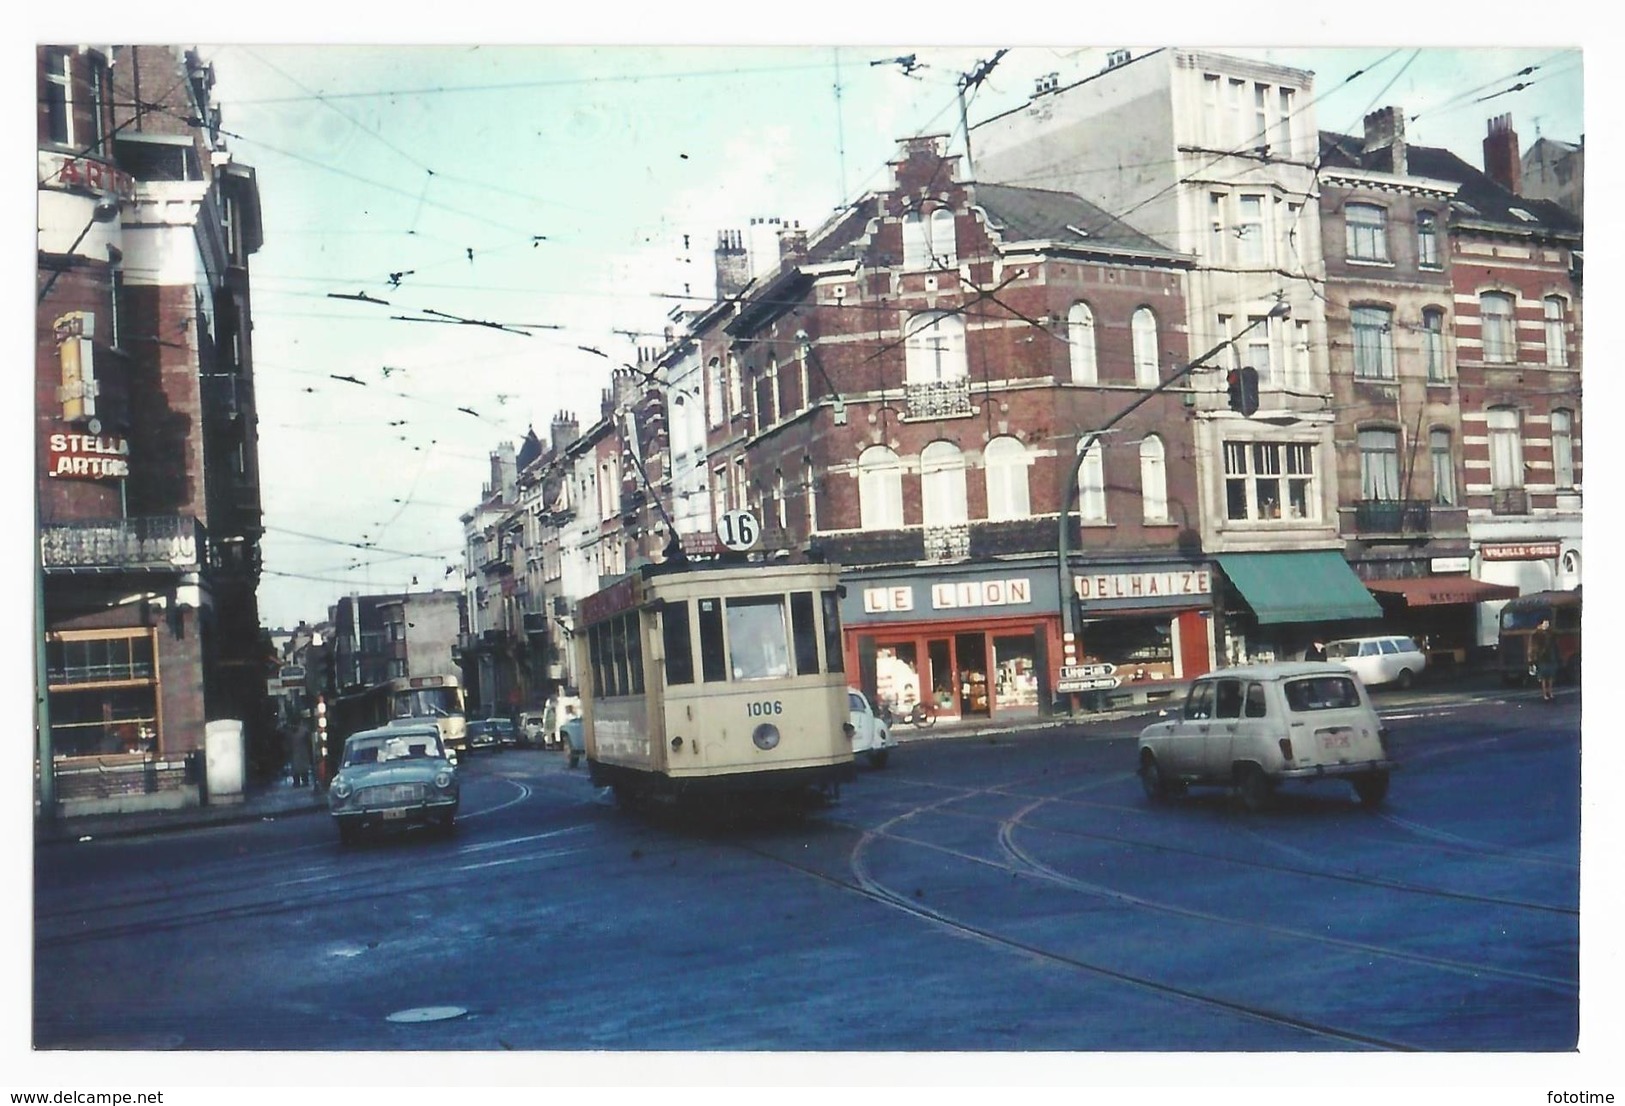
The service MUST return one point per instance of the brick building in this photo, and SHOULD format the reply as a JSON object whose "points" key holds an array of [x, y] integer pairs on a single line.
{"points": [[147, 483]]}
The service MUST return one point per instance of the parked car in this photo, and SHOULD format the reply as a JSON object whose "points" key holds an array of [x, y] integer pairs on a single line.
{"points": [[543, 727], [1256, 727], [483, 734], [1390, 659], [871, 733], [396, 775], [571, 735]]}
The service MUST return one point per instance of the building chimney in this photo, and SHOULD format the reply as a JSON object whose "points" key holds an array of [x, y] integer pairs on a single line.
{"points": [[565, 430], [1385, 129], [1501, 162], [733, 263], [792, 244]]}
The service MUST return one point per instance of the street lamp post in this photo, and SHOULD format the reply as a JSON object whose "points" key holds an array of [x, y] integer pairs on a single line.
{"points": [[1069, 626]]}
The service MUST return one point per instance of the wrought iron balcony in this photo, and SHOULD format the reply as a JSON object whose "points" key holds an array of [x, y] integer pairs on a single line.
{"points": [[1393, 516], [174, 543], [947, 543], [936, 399]]}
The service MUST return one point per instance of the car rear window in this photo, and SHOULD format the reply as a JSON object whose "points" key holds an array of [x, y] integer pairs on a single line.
{"points": [[1321, 693]]}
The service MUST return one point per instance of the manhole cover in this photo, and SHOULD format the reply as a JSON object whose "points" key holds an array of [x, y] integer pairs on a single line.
{"points": [[428, 1014]]}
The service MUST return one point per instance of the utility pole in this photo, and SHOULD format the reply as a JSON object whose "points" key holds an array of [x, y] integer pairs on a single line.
{"points": [[1069, 619], [969, 81]]}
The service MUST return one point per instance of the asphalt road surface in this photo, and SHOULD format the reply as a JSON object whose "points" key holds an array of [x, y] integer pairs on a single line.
{"points": [[1014, 893]]}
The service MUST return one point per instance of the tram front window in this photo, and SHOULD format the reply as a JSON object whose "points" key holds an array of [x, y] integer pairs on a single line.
{"points": [[758, 638]]}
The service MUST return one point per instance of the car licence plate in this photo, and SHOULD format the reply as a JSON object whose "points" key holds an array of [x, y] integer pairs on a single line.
{"points": [[1336, 739], [390, 815]]}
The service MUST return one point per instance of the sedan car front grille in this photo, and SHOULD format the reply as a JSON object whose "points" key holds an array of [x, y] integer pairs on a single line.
{"points": [[391, 794]]}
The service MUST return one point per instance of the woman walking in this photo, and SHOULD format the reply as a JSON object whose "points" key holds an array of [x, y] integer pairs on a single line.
{"points": [[1543, 657]]}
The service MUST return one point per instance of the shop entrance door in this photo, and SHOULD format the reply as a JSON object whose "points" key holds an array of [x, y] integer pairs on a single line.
{"points": [[1195, 658], [973, 686], [940, 676]]}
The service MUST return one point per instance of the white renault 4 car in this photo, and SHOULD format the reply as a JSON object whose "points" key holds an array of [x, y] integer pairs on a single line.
{"points": [[1255, 727]]}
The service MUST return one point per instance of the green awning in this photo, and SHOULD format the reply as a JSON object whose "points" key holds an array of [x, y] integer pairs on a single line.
{"points": [[1299, 587]]}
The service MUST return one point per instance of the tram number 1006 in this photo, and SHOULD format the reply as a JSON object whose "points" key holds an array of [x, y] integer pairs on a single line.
{"points": [[759, 710]]}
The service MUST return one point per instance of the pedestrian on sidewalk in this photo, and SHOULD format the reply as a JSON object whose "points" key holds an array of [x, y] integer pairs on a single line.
{"points": [[1543, 657], [299, 754]]}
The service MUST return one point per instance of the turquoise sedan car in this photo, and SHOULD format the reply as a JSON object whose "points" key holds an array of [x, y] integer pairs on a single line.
{"points": [[396, 776]]}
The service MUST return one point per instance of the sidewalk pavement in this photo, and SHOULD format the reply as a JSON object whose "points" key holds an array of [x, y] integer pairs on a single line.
{"points": [[282, 799]]}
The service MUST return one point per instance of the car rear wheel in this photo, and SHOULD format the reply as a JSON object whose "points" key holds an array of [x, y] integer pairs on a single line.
{"points": [[1372, 789], [1404, 680], [879, 757], [1254, 787]]}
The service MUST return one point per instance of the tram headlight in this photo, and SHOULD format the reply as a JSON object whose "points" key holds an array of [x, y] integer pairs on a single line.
{"points": [[765, 736]]}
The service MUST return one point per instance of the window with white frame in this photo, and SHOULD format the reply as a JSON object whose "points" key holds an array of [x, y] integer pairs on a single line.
{"points": [[1444, 468], [1143, 327], [935, 348], [1506, 448], [609, 489], [1092, 482], [1563, 449], [1497, 326], [719, 491], [1269, 481], [1287, 232], [1237, 93], [1367, 232], [717, 388], [781, 509], [59, 96], [1379, 464], [1283, 122], [1080, 342], [929, 239], [741, 486], [98, 108], [1006, 461], [1557, 343], [1427, 240], [1433, 344], [736, 387], [1259, 351], [880, 489], [773, 388], [1301, 375], [1218, 227], [1154, 479], [1373, 342], [942, 484], [809, 488], [1250, 230], [1261, 115]]}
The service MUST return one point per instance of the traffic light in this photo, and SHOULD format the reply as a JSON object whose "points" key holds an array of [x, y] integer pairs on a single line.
{"points": [[1243, 386]]}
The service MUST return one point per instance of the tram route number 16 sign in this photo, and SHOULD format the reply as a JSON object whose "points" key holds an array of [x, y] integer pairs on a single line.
{"points": [[738, 530]]}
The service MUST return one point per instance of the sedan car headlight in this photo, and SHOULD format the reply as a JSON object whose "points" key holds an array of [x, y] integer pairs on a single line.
{"points": [[443, 778], [340, 789]]}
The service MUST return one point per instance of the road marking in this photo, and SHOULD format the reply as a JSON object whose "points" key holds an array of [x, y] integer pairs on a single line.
{"points": [[517, 859], [524, 793], [520, 840]]}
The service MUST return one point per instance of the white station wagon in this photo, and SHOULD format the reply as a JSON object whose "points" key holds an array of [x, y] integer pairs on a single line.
{"points": [[1255, 727], [1389, 659]]}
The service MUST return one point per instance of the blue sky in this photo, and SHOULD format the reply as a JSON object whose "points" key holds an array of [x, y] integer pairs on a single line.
{"points": [[578, 191]]}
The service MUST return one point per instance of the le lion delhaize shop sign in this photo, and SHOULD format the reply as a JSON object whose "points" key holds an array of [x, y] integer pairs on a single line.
{"points": [[88, 456]]}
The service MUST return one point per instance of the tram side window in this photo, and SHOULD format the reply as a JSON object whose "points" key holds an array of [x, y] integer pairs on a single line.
{"points": [[598, 651], [618, 680], [679, 650], [804, 632], [634, 651], [834, 658], [713, 658], [758, 639]]}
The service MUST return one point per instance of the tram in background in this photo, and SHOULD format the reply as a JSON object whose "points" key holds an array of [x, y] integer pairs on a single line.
{"points": [[420, 697], [702, 680], [1519, 619]]}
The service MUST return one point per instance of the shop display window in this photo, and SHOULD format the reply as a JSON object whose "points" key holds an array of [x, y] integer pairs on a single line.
{"points": [[1140, 647]]}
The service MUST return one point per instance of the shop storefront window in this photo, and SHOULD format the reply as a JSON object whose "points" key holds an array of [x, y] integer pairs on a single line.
{"points": [[103, 693], [1141, 647], [1015, 661], [897, 675]]}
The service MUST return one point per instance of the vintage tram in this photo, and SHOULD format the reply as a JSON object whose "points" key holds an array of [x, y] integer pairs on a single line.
{"points": [[726, 678]]}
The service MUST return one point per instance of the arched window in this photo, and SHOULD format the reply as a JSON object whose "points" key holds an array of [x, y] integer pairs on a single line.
{"points": [[1153, 479], [880, 489], [1006, 461], [935, 348], [1080, 341], [1563, 448], [1557, 339], [942, 484], [1092, 483], [1144, 327]]}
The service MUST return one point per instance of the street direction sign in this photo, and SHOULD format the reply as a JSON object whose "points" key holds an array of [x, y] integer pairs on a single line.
{"points": [[1087, 672], [1100, 683]]}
